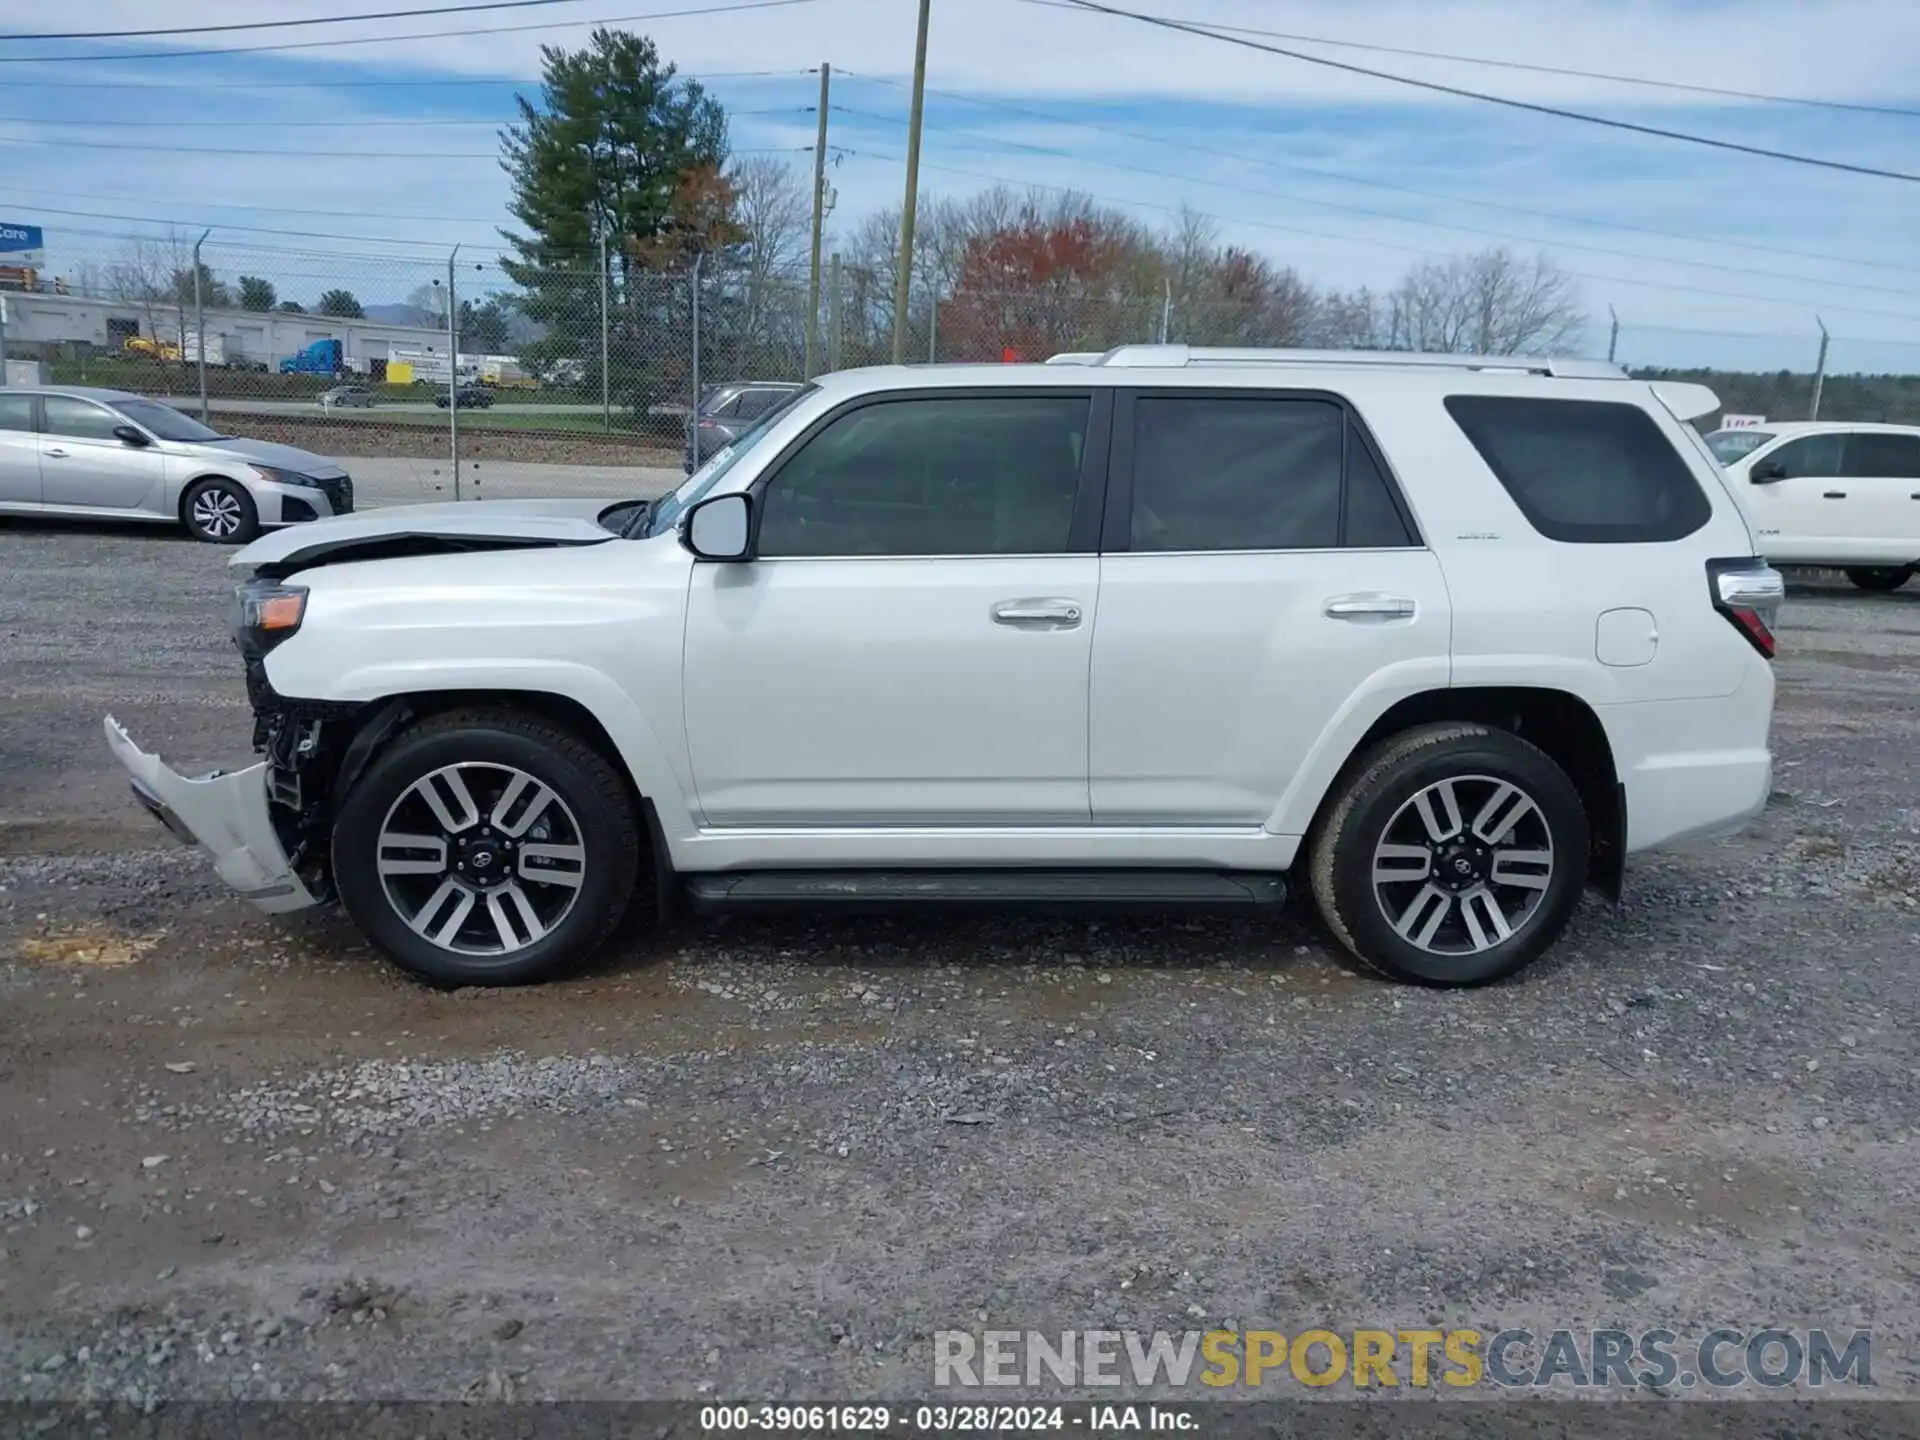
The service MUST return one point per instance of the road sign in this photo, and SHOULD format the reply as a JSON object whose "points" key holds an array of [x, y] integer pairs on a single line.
{"points": [[22, 245], [1742, 422]]}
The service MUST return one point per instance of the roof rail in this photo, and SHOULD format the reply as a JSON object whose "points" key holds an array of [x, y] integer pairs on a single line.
{"points": [[1177, 357]]}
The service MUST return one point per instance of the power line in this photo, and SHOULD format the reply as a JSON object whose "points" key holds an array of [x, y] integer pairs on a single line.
{"points": [[258, 124], [290, 24], [1402, 219], [1365, 240], [1496, 64], [393, 39], [1092, 7], [431, 82], [334, 210], [1351, 179], [7, 140]]}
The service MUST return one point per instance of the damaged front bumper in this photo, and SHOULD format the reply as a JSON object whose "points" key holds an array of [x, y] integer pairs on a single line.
{"points": [[225, 815]]}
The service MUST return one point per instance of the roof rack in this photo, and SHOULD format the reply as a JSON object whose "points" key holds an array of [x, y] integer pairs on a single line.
{"points": [[1178, 357]]}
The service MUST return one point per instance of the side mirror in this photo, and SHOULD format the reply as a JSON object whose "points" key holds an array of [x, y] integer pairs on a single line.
{"points": [[127, 435], [1767, 472], [719, 528]]}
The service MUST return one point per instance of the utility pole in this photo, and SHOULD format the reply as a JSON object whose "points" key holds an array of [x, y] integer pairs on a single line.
{"points": [[1166, 310], [904, 275], [1613, 336], [453, 372], [819, 221], [1819, 371], [199, 324], [606, 406]]}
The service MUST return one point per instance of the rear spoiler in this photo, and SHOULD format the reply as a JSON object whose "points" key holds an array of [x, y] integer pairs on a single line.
{"points": [[1686, 401]]}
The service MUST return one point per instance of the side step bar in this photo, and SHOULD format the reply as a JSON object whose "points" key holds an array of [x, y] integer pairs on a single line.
{"points": [[806, 888]]}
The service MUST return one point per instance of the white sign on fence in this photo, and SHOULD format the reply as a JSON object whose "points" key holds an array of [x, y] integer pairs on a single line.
{"points": [[1742, 422]]}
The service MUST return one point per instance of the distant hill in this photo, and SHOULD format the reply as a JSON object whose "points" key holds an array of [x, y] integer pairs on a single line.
{"points": [[1786, 395]]}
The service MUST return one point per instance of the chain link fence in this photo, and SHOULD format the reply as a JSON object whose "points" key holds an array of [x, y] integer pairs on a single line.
{"points": [[468, 375]]}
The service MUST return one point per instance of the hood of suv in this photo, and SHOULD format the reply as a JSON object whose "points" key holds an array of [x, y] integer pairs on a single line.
{"points": [[398, 530], [284, 457]]}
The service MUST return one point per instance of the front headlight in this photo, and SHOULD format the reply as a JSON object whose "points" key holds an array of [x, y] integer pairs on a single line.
{"points": [[267, 613], [283, 477]]}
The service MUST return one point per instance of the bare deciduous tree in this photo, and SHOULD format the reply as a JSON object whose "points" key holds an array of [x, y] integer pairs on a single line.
{"points": [[1492, 303]]}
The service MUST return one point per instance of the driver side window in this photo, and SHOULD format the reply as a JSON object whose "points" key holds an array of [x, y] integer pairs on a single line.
{"points": [[960, 475], [1813, 457]]}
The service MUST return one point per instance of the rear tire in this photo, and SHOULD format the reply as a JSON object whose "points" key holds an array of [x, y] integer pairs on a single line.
{"points": [[220, 512], [1453, 856], [487, 847], [1880, 577]]}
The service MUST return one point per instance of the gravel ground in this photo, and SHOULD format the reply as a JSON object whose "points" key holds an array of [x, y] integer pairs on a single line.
{"points": [[769, 1158]]}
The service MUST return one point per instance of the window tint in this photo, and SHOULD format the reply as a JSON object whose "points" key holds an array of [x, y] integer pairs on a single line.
{"points": [[1372, 520], [1884, 457], [1815, 457], [1585, 471], [960, 475], [1230, 473], [81, 419], [16, 412], [730, 406]]}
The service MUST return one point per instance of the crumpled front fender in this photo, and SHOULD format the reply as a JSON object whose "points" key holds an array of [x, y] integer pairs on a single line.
{"points": [[225, 815]]}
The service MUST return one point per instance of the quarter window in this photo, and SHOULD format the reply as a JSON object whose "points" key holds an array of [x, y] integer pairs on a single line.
{"points": [[1585, 471], [80, 419], [959, 475]]}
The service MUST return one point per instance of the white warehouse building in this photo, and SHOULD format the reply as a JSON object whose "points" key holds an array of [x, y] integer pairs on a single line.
{"points": [[249, 336]]}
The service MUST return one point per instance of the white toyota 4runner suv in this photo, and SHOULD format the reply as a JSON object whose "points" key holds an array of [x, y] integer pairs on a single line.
{"points": [[1446, 638]]}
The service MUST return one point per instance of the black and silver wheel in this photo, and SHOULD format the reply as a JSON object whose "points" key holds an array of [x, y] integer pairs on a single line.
{"points": [[221, 512], [1880, 577], [487, 848], [1454, 856]]}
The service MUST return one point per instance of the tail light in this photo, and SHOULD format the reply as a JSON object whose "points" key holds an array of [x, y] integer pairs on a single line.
{"points": [[1749, 593]]}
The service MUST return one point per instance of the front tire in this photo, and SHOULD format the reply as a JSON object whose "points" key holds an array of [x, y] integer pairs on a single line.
{"points": [[1880, 577], [1453, 857], [220, 512], [487, 847]]}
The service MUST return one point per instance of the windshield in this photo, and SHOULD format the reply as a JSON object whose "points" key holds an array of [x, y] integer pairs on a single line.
{"points": [[1731, 445], [164, 421], [698, 484]]}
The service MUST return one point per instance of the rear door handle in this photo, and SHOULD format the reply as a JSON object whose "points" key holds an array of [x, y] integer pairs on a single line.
{"points": [[55, 454], [1369, 607], [1834, 495], [1038, 614]]}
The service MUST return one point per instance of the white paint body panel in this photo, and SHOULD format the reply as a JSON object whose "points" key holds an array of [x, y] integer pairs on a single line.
{"points": [[842, 713]]}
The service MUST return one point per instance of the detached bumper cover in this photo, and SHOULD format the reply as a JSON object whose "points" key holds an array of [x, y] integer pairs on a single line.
{"points": [[225, 815]]}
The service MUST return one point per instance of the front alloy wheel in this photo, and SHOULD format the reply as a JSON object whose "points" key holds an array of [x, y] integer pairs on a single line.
{"points": [[487, 847]]}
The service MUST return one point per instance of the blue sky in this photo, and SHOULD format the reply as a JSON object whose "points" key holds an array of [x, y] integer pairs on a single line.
{"points": [[1705, 255]]}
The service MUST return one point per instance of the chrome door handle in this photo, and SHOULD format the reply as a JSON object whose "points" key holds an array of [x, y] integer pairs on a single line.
{"points": [[1038, 614], [55, 454], [1369, 607]]}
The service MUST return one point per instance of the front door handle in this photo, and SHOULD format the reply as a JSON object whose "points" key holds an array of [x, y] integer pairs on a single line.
{"points": [[1038, 614], [55, 454], [1834, 495], [1369, 607]]}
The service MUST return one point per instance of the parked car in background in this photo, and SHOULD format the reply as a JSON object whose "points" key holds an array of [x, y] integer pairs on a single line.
{"points": [[726, 412], [347, 397], [1438, 639], [467, 397], [108, 455], [1831, 493]]}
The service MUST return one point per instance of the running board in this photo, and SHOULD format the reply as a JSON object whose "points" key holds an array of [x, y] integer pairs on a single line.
{"points": [[740, 889]]}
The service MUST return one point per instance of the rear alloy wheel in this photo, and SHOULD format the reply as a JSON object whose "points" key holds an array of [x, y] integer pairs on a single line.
{"points": [[487, 848], [220, 512], [1454, 857], [1880, 577]]}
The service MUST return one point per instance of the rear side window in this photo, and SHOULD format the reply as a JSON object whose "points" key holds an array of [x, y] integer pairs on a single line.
{"points": [[16, 412], [1255, 473], [1874, 456], [1589, 472]]}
